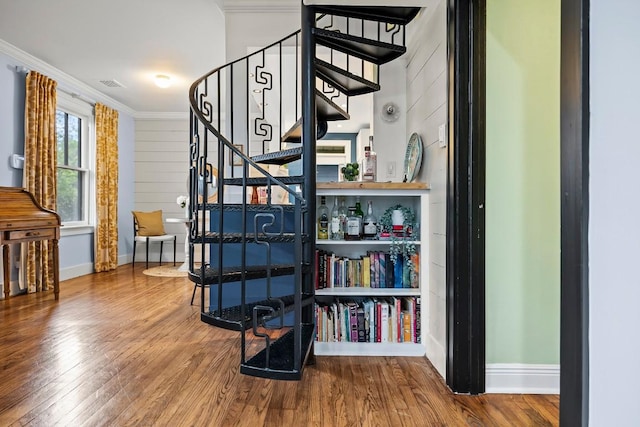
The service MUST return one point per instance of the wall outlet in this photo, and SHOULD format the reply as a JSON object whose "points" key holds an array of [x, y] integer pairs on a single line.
{"points": [[391, 169]]}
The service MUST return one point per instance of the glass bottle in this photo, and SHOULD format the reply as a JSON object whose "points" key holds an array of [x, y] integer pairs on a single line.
{"points": [[342, 210], [323, 219], [370, 224], [353, 225], [369, 163], [336, 231], [359, 213]]}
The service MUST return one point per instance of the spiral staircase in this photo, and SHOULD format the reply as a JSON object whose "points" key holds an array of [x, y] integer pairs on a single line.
{"points": [[254, 123]]}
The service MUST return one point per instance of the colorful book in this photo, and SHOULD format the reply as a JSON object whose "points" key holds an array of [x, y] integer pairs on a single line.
{"points": [[406, 326], [415, 275], [384, 321], [366, 272], [362, 336], [397, 271], [353, 321], [372, 268], [378, 335], [417, 317], [388, 271]]}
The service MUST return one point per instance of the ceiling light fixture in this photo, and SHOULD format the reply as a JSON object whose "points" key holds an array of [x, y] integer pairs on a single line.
{"points": [[162, 80], [257, 91]]}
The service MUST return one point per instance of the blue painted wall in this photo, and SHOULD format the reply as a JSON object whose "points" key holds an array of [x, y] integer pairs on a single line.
{"points": [[76, 252]]}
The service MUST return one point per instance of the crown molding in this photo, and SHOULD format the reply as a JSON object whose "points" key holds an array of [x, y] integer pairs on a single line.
{"points": [[65, 82], [258, 6], [403, 3]]}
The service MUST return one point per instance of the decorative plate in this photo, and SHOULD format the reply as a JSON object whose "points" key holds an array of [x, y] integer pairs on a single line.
{"points": [[413, 158]]}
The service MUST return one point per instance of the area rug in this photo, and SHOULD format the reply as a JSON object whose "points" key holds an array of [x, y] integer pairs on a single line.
{"points": [[165, 271]]}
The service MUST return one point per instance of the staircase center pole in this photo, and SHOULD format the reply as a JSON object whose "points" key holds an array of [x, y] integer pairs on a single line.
{"points": [[308, 53]]}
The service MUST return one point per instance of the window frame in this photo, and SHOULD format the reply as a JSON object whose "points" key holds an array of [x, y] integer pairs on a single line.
{"points": [[85, 111]]}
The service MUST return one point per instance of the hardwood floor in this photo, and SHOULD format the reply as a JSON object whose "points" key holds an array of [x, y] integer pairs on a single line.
{"points": [[121, 348]]}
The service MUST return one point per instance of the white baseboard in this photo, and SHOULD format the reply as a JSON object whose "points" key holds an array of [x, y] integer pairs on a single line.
{"points": [[84, 269], [517, 378], [125, 259], [76, 271], [436, 354]]}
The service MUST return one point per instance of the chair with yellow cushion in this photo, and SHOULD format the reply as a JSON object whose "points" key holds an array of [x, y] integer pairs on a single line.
{"points": [[148, 228]]}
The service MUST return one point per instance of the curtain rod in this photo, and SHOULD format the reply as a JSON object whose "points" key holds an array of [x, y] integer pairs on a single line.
{"points": [[73, 94]]}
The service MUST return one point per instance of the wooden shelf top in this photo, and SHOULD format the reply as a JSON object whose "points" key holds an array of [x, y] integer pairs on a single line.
{"points": [[360, 185]]}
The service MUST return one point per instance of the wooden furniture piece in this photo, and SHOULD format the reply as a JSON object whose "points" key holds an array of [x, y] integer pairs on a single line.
{"points": [[22, 220]]}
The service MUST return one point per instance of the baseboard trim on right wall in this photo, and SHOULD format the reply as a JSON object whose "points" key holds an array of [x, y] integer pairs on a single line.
{"points": [[517, 378]]}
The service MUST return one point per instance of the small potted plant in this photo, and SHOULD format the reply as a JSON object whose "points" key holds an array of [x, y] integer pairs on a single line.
{"points": [[397, 224], [350, 171]]}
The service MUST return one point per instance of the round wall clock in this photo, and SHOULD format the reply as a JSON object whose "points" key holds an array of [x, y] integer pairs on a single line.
{"points": [[413, 158]]}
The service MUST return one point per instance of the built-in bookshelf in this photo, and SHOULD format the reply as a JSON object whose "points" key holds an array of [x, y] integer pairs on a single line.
{"points": [[343, 263]]}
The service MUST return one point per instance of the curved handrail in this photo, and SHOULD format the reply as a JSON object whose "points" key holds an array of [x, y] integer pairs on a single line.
{"points": [[193, 101]]}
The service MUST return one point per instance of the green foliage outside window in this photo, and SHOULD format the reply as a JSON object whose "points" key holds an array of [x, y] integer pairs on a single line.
{"points": [[69, 159]]}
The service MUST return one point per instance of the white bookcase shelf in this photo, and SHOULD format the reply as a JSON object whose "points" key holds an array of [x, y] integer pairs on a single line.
{"points": [[367, 243], [368, 292], [368, 349], [383, 195]]}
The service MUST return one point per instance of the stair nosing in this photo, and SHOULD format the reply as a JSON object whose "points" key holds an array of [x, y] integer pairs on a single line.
{"points": [[320, 64], [330, 38], [353, 12]]}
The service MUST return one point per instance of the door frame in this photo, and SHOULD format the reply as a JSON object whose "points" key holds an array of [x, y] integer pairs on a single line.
{"points": [[465, 270], [574, 215], [465, 204]]}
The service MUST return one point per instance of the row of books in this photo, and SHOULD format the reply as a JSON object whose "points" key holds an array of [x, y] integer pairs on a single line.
{"points": [[373, 270], [376, 320]]}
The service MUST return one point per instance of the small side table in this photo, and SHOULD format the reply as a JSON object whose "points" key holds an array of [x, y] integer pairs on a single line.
{"points": [[186, 222]]}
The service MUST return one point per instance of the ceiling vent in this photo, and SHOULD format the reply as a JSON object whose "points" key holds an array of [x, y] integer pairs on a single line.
{"points": [[111, 83]]}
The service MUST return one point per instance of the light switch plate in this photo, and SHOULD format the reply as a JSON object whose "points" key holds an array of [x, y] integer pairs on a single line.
{"points": [[442, 135], [391, 169], [17, 161]]}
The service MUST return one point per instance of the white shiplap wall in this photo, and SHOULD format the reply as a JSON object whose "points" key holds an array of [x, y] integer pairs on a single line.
{"points": [[161, 173], [426, 111]]}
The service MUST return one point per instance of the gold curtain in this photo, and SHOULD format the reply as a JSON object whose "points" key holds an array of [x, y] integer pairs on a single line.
{"points": [[40, 176], [106, 238]]}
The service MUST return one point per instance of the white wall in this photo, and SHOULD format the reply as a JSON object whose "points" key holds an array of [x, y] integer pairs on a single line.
{"points": [[161, 175], [257, 27], [614, 231], [426, 111], [390, 138]]}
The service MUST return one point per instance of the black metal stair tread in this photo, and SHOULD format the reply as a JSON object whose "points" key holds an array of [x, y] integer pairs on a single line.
{"points": [[370, 50], [215, 237], [327, 110], [231, 317], [348, 83], [262, 181], [237, 207], [234, 274], [392, 15], [295, 133], [281, 355], [279, 157]]}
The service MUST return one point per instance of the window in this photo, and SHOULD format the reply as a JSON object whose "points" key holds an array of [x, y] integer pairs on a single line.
{"points": [[330, 156], [74, 119]]}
